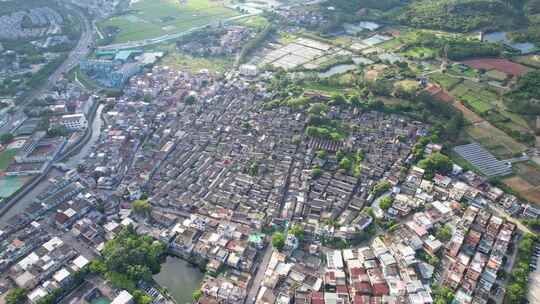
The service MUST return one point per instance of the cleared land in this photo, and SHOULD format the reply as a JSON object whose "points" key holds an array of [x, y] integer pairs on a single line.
{"points": [[152, 18], [195, 64]]}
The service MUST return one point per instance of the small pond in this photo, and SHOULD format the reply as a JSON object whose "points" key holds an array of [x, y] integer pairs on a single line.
{"points": [[523, 47], [180, 278]]}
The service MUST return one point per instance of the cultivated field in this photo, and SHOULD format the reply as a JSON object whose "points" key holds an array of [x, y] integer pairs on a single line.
{"points": [[495, 140], [446, 81], [502, 65], [152, 18], [524, 188], [476, 96]]}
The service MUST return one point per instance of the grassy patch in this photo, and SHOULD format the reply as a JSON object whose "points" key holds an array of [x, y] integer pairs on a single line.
{"points": [[76, 75], [407, 85], [257, 22], [195, 64], [528, 60], [495, 140], [529, 171], [463, 71], [496, 75], [391, 44], [6, 157], [326, 88], [152, 18], [478, 105], [445, 81], [420, 53]]}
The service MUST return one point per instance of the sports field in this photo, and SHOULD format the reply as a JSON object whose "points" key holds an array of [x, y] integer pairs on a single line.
{"points": [[6, 157], [152, 18], [10, 184]]}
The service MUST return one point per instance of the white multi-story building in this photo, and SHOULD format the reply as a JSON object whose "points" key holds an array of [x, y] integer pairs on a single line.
{"points": [[249, 70], [74, 122]]}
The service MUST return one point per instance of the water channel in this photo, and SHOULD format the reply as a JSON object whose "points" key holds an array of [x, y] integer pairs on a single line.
{"points": [[28, 198]]}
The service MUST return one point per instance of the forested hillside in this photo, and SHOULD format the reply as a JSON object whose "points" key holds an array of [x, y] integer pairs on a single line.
{"points": [[451, 15], [459, 15]]}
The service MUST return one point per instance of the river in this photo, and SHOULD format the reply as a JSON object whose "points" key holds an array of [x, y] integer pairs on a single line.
{"points": [[180, 279], [89, 146]]}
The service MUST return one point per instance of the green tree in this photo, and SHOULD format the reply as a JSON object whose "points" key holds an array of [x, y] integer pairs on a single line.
{"points": [[6, 138], [345, 164], [444, 233], [322, 154], [278, 240], [436, 163], [298, 231], [130, 257], [515, 293], [253, 169], [190, 99], [318, 109], [197, 294], [16, 296], [97, 266], [381, 187], [58, 131], [141, 298], [316, 173], [142, 207], [386, 202]]}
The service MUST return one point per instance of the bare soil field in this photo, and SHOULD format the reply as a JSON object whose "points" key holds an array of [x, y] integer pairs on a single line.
{"points": [[524, 188], [502, 65]]}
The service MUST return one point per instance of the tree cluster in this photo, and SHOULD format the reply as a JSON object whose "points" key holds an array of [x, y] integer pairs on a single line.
{"points": [[129, 258], [436, 163], [519, 279], [380, 188]]}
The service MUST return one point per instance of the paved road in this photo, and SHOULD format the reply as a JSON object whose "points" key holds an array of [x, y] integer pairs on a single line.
{"points": [[503, 214], [80, 51], [259, 277]]}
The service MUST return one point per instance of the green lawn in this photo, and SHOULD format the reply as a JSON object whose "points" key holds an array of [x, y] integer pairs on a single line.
{"points": [[152, 18], [6, 157]]}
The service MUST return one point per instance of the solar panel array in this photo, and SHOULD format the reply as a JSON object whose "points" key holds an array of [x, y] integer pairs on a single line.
{"points": [[483, 160]]}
